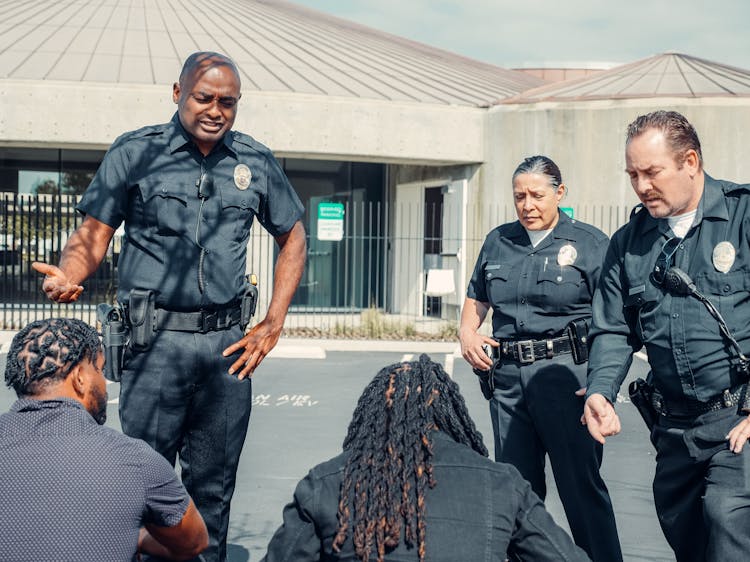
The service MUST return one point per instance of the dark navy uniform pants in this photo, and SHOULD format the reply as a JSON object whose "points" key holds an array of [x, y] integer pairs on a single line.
{"points": [[535, 413], [702, 489], [179, 398]]}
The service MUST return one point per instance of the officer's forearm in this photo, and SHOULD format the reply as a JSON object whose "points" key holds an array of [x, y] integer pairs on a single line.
{"points": [[288, 272], [472, 315], [85, 249]]}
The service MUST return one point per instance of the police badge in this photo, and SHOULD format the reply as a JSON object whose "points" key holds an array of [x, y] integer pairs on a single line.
{"points": [[242, 177], [723, 256], [567, 255]]}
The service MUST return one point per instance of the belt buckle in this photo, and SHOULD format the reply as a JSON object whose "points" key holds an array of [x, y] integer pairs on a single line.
{"points": [[209, 319], [525, 351]]}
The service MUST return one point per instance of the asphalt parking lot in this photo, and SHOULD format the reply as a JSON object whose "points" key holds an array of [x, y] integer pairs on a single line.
{"points": [[303, 400]]}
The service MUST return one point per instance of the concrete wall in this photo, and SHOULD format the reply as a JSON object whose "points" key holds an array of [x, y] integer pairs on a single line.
{"points": [[77, 115], [587, 140]]}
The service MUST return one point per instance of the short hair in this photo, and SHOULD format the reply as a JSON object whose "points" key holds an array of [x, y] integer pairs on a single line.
{"points": [[677, 130], [389, 463], [210, 59], [541, 165], [46, 351]]}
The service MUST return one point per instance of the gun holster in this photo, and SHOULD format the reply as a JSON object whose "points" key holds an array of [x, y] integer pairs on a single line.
{"points": [[249, 302], [578, 333], [142, 317], [641, 394], [114, 339], [487, 378]]}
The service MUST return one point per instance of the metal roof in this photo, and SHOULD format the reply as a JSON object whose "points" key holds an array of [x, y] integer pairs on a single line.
{"points": [[278, 46], [667, 74]]}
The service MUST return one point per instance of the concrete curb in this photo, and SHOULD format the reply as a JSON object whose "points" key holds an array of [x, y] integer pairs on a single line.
{"points": [[291, 348]]}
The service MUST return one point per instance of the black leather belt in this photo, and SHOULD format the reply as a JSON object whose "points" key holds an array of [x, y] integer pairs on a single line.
{"points": [[199, 321], [693, 408], [528, 351]]}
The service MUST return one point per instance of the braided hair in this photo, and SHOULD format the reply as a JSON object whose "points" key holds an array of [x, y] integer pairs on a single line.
{"points": [[389, 465], [46, 351]]}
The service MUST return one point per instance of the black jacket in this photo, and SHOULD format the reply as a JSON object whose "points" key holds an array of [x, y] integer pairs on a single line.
{"points": [[478, 510]]}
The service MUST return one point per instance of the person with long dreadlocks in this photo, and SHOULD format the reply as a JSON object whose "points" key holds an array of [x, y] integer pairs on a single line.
{"points": [[414, 483]]}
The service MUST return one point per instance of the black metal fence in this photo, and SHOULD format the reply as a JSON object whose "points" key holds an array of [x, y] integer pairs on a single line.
{"points": [[35, 229], [373, 281]]}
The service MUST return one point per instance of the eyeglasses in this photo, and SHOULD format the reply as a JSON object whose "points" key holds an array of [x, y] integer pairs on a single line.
{"points": [[664, 261], [227, 102]]}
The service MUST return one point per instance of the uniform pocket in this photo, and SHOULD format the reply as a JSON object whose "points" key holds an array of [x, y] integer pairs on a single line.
{"points": [[238, 207], [165, 207], [558, 287], [496, 277], [726, 291]]}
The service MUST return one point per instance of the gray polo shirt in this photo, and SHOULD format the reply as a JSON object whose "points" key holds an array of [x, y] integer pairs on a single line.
{"points": [[73, 490]]}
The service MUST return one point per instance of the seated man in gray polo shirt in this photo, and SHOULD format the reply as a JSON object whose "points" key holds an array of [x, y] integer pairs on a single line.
{"points": [[72, 489]]}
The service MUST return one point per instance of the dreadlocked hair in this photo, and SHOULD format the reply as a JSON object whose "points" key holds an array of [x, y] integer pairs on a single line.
{"points": [[389, 464], [45, 351]]}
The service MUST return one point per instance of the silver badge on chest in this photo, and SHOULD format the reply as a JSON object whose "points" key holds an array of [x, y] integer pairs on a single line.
{"points": [[242, 177], [723, 256], [567, 255]]}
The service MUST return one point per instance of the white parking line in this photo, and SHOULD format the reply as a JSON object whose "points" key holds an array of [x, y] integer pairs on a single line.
{"points": [[449, 364], [297, 352]]}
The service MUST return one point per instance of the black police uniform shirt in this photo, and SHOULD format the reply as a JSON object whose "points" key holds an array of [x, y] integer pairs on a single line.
{"points": [[535, 292], [149, 179], [689, 357]]}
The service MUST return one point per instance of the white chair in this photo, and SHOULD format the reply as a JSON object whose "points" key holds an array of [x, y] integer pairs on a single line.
{"points": [[440, 283]]}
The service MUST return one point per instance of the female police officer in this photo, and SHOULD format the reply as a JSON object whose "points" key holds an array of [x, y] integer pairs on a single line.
{"points": [[539, 274]]}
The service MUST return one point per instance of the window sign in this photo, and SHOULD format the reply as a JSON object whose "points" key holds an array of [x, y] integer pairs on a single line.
{"points": [[330, 221]]}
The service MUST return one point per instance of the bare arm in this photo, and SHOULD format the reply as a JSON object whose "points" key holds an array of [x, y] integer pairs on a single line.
{"points": [[81, 256], [181, 542], [262, 338], [472, 316]]}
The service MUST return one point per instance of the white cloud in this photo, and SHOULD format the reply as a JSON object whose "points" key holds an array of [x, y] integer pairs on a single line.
{"points": [[509, 33]]}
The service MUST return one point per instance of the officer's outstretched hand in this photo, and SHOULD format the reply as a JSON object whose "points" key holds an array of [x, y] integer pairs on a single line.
{"points": [[600, 418], [256, 344], [56, 284], [471, 349], [739, 434]]}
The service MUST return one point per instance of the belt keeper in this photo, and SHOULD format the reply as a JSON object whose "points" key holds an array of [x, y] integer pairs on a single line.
{"points": [[550, 349]]}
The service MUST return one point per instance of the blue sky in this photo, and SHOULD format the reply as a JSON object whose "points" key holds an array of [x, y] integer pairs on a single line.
{"points": [[530, 32]]}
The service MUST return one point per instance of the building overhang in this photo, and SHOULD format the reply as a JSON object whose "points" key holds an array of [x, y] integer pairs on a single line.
{"points": [[92, 115]]}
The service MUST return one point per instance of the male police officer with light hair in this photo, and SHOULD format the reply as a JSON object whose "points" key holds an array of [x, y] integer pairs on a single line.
{"points": [[675, 280], [188, 192]]}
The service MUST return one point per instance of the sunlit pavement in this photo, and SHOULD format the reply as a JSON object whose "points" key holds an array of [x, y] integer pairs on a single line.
{"points": [[304, 395]]}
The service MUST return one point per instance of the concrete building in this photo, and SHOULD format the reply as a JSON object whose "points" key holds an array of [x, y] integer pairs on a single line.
{"points": [[418, 144]]}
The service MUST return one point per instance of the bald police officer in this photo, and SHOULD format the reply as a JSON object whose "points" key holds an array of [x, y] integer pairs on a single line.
{"points": [[699, 226], [188, 192]]}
